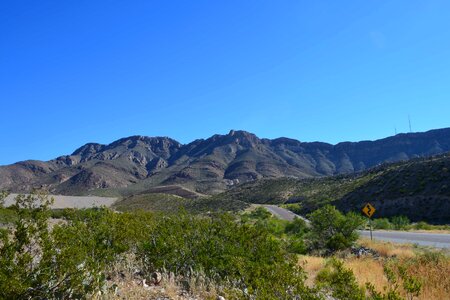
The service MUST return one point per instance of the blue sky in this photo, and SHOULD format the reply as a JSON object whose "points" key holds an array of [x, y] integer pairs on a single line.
{"points": [[73, 72]]}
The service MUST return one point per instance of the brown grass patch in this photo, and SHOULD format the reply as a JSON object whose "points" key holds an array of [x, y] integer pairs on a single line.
{"points": [[433, 271], [368, 270], [431, 268], [312, 265], [387, 249]]}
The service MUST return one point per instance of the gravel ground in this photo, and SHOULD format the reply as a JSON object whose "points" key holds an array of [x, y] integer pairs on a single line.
{"points": [[72, 201]]}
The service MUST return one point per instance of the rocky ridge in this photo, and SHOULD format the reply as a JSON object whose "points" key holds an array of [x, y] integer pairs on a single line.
{"points": [[212, 165]]}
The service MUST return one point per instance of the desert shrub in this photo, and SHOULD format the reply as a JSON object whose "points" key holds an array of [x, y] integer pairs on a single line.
{"points": [[400, 222], [3, 195], [397, 273], [274, 226], [389, 294], [340, 282], [260, 213], [294, 207], [296, 245], [7, 215], [241, 255], [296, 232], [331, 230], [67, 261], [382, 223], [423, 226], [296, 227]]}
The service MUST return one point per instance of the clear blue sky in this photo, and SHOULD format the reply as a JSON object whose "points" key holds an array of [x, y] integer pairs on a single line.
{"points": [[73, 72]]}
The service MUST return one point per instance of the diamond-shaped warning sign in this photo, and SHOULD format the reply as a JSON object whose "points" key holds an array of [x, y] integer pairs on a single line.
{"points": [[368, 210]]}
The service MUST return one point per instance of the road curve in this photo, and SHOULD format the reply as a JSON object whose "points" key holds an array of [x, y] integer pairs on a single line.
{"points": [[283, 213], [438, 240]]}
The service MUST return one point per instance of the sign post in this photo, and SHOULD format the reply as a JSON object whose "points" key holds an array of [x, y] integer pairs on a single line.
{"points": [[369, 210]]}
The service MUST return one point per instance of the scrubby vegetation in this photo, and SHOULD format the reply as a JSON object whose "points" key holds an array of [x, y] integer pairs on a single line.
{"points": [[394, 189], [333, 231], [61, 254], [395, 272], [71, 259]]}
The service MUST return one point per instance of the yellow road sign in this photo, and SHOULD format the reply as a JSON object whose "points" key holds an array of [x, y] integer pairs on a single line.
{"points": [[368, 210]]}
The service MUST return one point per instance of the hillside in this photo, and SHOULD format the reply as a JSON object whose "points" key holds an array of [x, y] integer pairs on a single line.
{"points": [[137, 164], [169, 203], [419, 189]]}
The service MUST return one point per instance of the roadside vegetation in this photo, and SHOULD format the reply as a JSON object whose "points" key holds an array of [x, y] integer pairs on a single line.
{"points": [[90, 253], [397, 271]]}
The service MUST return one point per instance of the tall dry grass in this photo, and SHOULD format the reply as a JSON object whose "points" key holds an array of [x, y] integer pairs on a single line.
{"points": [[368, 270], [387, 249], [431, 268], [311, 265]]}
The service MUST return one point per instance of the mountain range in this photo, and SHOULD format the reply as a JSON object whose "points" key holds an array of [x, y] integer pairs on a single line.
{"points": [[209, 166]]}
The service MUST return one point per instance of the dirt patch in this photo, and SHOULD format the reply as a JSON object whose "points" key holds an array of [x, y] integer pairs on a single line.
{"points": [[72, 201]]}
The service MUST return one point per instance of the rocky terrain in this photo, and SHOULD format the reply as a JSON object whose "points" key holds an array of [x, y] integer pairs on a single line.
{"points": [[137, 164]]}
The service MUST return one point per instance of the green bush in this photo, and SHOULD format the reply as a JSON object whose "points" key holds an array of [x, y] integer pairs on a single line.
{"points": [[260, 213], [297, 227], [331, 230], [400, 222], [338, 281], [7, 215], [296, 245], [382, 223], [3, 195], [423, 226], [245, 257], [68, 261], [294, 207]]}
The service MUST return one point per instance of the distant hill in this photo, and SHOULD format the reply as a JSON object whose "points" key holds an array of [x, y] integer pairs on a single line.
{"points": [[418, 189], [138, 164]]}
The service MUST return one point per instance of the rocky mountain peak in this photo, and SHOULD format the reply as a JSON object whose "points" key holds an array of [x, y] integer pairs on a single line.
{"points": [[243, 138], [88, 149]]}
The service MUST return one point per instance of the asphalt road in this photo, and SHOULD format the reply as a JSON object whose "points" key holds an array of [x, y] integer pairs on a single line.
{"points": [[283, 213], [438, 240]]}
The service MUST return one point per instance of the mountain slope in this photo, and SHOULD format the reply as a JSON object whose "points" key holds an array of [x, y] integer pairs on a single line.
{"points": [[209, 166], [419, 189]]}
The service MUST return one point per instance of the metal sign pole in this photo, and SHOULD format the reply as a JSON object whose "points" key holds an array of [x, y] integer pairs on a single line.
{"points": [[369, 210]]}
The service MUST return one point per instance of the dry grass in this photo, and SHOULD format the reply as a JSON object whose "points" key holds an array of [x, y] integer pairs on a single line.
{"points": [[431, 268], [387, 249], [434, 275], [368, 270], [312, 265], [125, 283]]}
